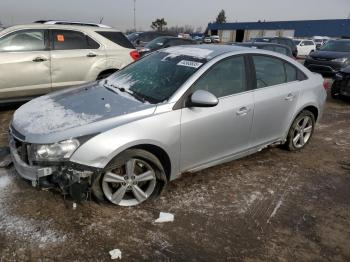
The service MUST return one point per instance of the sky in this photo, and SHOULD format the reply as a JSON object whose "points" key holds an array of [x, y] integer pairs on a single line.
{"points": [[197, 13]]}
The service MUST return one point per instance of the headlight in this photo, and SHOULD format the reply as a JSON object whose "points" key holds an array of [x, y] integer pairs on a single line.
{"points": [[341, 60], [54, 152]]}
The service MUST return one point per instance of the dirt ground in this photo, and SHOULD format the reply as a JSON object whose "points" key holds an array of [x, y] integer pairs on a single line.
{"points": [[271, 206]]}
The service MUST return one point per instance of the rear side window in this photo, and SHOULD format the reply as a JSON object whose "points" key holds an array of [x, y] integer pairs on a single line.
{"points": [[117, 38], [71, 40], [273, 71], [269, 71]]}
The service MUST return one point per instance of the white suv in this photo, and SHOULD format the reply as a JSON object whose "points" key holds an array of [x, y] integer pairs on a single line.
{"points": [[48, 55]]}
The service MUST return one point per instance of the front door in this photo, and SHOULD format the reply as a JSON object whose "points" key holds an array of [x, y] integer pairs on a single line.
{"points": [[24, 64], [211, 134]]}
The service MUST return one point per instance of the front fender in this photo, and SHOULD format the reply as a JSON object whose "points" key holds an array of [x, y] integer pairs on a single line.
{"points": [[162, 130]]}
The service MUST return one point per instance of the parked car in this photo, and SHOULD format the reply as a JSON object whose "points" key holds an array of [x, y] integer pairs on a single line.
{"points": [[330, 58], [164, 42], [320, 40], [39, 58], [215, 39], [140, 39], [341, 84], [207, 39], [279, 40], [177, 110], [282, 49], [305, 47]]}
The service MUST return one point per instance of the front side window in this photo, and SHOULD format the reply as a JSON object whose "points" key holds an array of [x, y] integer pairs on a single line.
{"points": [[225, 78], [71, 40], [23, 40], [156, 77]]}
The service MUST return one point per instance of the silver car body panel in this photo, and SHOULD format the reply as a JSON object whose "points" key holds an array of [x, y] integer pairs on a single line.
{"points": [[197, 138]]}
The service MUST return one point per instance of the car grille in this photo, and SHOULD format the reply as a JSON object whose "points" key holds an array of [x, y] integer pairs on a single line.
{"points": [[321, 59]]}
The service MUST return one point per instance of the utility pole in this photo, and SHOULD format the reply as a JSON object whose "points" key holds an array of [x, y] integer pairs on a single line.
{"points": [[135, 15]]}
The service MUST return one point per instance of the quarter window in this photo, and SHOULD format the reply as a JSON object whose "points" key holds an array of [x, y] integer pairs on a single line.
{"points": [[70, 40], [23, 40], [225, 78]]}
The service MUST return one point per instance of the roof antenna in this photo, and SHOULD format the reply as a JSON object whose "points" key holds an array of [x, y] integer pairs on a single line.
{"points": [[101, 19]]}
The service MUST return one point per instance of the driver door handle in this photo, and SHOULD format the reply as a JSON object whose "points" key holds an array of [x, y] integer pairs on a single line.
{"points": [[91, 54], [39, 59], [243, 111]]}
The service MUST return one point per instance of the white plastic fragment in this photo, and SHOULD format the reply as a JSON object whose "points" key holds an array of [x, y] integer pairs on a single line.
{"points": [[74, 206], [164, 217], [115, 254]]}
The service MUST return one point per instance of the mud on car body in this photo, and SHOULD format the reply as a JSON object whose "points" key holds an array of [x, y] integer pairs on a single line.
{"points": [[177, 110]]}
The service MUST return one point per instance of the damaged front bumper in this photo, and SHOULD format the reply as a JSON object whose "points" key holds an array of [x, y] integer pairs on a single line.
{"points": [[32, 173], [71, 178]]}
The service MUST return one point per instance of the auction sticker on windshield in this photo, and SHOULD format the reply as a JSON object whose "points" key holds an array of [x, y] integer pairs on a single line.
{"points": [[189, 63]]}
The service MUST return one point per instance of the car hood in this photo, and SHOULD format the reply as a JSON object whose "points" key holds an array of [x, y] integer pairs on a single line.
{"points": [[329, 54], [76, 112]]}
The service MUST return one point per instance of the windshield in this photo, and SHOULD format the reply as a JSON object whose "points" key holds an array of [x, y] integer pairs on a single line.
{"points": [[156, 43], [156, 77], [338, 46]]}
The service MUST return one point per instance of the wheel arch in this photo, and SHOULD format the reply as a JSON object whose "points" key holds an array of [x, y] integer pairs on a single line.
{"points": [[107, 71]]}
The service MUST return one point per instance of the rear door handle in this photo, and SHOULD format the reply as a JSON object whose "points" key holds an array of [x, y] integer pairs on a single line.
{"points": [[243, 111], [91, 54], [289, 97], [39, 59]]}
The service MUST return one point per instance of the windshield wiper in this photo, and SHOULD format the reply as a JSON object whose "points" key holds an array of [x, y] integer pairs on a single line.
{"points": [[123, 90]]}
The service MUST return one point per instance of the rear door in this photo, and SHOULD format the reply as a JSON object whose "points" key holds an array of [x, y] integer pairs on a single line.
{"points": [[211, 134], [24, 64], [75, 58], [275, 98]]}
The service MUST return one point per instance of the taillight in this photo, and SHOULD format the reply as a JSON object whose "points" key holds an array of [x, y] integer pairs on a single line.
{"points": [[326, 84], [135, 55]]}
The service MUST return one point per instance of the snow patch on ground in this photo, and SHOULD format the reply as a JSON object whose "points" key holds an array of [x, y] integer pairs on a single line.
{"points": [[23, 228], [43, 116]]}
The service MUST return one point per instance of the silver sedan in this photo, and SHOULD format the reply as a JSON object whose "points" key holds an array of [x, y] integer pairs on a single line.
{"points": [[178, 110]]}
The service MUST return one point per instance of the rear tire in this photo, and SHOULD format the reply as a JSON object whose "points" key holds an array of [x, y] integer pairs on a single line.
{"points": [[131, 178], [301, 131]]}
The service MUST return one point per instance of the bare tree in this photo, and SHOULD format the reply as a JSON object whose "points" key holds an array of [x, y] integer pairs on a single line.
{"points": [[159, 24]]}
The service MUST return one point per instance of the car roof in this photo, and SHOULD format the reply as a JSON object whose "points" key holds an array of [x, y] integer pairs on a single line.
{"points": [[211, 51], [260, 44], [55, 26]]}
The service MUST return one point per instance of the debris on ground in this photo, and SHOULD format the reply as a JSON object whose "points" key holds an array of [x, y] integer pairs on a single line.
{"points": [[164, 217], [5, 157], [115, 254]]}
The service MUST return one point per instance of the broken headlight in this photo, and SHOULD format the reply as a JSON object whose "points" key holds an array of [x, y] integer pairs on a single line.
{"points": [[54, 152]]}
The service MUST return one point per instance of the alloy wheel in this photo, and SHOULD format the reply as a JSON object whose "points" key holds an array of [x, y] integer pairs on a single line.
{"points": [[130, 184], [302, 132]]}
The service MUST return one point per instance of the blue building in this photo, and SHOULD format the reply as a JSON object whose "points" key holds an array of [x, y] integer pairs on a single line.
{"points": [[244, 31]]}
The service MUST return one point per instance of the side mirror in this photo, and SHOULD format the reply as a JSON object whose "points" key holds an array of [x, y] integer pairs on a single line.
{"points": [[202, 98]]}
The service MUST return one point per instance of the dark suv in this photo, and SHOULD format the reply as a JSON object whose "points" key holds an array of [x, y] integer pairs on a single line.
{"points": [[279, 40], [140, 39]]}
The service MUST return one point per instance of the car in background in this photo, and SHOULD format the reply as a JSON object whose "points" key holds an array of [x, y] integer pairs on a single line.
{"points": [[207, 39], [164, 42], [279, 40], [177, 110], [320, 40], [330, 58], [215, 39], [140, 39], [49, 55], [305, 47], [282, 49], [341, 84]]}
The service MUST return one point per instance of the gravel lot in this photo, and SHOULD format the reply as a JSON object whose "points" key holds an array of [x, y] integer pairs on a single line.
{"points": [[274, 205]]}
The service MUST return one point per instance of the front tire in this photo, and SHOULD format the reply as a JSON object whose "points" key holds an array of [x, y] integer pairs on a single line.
{"points": [[301, 131], [132, 178]]}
